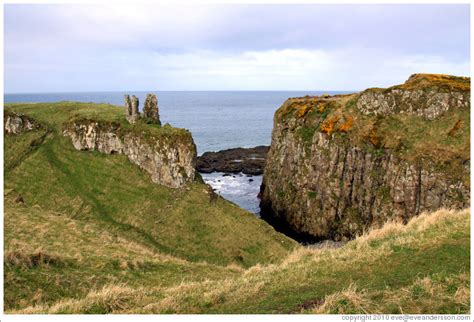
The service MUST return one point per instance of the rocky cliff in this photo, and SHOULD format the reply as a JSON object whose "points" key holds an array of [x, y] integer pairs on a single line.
{"points": [[15, 123], [339, 165], [167, 154]]}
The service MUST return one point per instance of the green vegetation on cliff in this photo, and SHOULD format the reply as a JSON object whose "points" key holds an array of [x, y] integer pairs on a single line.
{"points": [[101, 220], [339, 165], [444, 139], [87, 232]]}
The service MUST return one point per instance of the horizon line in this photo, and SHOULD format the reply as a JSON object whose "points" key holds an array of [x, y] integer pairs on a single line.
{"points": [[210, 90]]}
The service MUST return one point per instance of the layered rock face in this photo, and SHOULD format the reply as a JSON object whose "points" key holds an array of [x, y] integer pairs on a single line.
{"points": [[340, 165], [418, 96], [17, 123], [170, 159]]}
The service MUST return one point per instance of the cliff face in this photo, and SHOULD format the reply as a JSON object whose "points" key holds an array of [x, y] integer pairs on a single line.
{"points": [[339, 165], [15, 123], [169, 158]]}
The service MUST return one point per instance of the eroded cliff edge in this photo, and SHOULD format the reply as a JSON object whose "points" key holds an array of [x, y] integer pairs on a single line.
{"points": [[166, 153], [16, 123], [340, 164]]}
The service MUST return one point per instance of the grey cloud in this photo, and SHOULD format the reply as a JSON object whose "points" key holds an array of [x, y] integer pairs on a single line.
{"points": [[84, 47]]}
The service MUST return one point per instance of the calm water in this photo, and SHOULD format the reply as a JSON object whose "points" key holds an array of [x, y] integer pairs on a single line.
{"points": [[217, 120]]}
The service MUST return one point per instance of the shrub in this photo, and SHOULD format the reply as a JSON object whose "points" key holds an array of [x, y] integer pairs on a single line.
{"points": [[328, 126], [347, 125]]}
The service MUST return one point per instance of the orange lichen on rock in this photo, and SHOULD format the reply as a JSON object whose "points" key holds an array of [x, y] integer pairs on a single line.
{"points": [[374, 138], [321, 107], [418, 81], [347, 125], [328, 125], [455, 128], [303, 110]]}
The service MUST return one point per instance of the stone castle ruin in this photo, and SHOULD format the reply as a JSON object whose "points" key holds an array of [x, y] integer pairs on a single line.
{"points": [[150, 109]]}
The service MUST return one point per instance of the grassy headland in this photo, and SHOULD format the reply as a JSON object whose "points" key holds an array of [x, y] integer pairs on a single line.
{"points": [[87, 232], [105, 196]]}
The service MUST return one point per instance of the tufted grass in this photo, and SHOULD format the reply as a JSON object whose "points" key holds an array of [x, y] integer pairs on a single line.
{"points": [[422, 267], [97, 214], [87, 232]]}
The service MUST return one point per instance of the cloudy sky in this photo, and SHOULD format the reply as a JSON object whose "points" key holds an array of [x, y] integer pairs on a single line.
{"points": [[59, 48]]}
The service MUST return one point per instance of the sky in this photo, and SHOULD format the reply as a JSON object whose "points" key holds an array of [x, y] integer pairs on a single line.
{"points": [[70, 48]]}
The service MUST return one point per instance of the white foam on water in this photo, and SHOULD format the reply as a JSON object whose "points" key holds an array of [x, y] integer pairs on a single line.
{"points": [[239, 188]]}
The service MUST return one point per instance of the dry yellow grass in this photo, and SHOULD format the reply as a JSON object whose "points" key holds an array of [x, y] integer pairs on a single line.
{"points": [[348, 301], [356, 301], [111, 299], [424, 294], [416, 224]]}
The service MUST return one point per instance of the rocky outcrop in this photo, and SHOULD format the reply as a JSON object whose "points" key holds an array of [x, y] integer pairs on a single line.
{"points": [[413, 98], [128, 106], [15, 123], [150, 109], [246, 160], [131, 109], [168, 155], [340, 165]]}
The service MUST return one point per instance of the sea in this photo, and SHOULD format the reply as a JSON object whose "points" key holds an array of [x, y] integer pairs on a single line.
{"points": [[218, 120]]}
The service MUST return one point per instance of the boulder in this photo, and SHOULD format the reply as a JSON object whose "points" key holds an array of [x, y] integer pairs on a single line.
{"points": [[246, 160]]}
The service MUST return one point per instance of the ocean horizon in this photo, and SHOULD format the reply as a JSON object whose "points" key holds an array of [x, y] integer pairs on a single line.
{"points": [[218, 120]]}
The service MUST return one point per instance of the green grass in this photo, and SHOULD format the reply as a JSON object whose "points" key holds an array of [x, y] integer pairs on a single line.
{"points": [[20, 146], [86, 256], [86, 232], [422, 267], [118, 199], [443, 142]]}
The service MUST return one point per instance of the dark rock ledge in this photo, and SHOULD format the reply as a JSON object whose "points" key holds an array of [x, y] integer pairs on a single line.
{"points": [[246, 160]]}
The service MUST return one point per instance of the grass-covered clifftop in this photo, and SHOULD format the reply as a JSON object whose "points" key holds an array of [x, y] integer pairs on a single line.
{"points": [[341, 164], [101, 220], [444, 139]]}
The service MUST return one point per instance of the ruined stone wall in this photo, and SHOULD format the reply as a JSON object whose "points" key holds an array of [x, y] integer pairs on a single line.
{"points": [[150, 109], [131, 109]]}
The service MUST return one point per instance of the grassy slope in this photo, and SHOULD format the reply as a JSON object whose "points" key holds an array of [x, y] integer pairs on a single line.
{"points": [[111, 197], [422, 267], [94, 235]]}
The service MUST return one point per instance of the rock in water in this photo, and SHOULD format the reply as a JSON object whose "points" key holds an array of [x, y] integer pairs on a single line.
{"points": [[340, 165], [150, 109], [246, 160]]}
